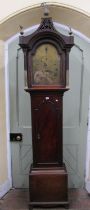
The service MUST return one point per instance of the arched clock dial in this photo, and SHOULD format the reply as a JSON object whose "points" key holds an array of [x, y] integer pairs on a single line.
{"points": [[46, 65]]}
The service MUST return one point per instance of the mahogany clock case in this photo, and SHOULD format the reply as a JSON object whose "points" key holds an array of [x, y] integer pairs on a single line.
{"points": [[46, 57], [46, 64], [48, 178], [48, 187]]}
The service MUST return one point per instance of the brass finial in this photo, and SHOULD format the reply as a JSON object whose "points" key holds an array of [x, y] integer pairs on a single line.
{"points": [[21, 30], [46, 10], [70, 31]]}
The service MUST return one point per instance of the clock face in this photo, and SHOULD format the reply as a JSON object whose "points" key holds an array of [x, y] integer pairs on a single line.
{"points": [[46, 66]]}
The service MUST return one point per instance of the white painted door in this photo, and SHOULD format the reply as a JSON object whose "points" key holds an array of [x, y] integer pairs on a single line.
{"points": [[20, 118], [75, 115]]}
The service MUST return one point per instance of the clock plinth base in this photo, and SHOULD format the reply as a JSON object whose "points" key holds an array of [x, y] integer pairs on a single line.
{"points": [[48, 187]]}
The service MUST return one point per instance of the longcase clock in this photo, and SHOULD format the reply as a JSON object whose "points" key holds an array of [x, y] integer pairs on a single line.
{"points": [[46, 65]]}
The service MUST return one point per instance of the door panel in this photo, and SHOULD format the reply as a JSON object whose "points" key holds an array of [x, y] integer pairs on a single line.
{"points": [[20, 119], [46, 127], [74, 95], [74, 114]]}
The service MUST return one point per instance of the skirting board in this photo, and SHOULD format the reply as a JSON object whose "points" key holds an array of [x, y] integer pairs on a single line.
{"points": [[87, 186], [4, 188]]}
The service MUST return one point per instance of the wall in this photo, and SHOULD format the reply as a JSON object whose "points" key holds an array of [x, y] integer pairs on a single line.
{"points": [[4, 179], [9, 8], [3, 172]]}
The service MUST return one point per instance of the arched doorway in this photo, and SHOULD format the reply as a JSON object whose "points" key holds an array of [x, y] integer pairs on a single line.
{"points": [[32, 17]]}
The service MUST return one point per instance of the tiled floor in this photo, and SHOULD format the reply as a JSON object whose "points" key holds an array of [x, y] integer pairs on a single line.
{"points": [[17, 199]]}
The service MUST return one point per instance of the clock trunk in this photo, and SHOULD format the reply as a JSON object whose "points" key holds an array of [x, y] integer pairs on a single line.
{"points": [[47, 128]]}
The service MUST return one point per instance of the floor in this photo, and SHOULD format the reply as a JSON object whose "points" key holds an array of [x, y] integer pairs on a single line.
{"points": [[17, 199]]}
